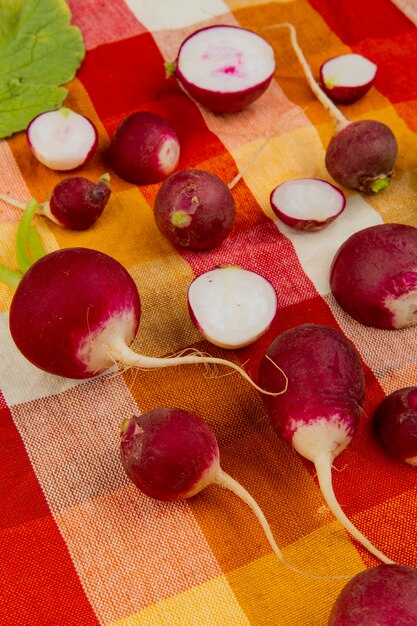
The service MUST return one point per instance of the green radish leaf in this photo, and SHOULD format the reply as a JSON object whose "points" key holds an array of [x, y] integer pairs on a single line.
{"points": [[39, 52]]}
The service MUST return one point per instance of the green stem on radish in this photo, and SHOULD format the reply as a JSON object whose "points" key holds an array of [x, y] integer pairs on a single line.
{"points": [[9, 276], [35, 243], [105, 178], [22, 241], [323, 465]]}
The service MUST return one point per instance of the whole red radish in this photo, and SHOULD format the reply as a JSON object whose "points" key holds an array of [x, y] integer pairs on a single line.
{"points": [[373, 276], [347, 77], [319, 412], [144, 149], [194, 209], [395, 424], [224, 68], [384, 595]]}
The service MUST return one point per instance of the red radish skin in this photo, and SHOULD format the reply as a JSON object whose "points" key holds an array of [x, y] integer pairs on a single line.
{"points": [[347, 78], [75, 313], [145, 149], [395, 424], [194, 209], [63, 139], [171, 454], [224, 68], [384, 595], [319, 412], [307, 203], [373, 276]]}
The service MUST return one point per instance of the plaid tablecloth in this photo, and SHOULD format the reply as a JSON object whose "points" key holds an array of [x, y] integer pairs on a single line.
{"points": [[79, 544]]}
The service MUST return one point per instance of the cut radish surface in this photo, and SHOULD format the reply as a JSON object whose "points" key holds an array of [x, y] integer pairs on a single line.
{"points": [[307, 203], [347, 77], [231, 306], [224, 68], [62, 139]]}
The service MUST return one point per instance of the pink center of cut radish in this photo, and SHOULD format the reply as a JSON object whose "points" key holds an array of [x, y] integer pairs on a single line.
{"points": [[348, 70]]}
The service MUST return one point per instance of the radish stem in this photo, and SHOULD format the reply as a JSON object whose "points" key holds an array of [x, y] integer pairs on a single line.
{"points": [[35, 243], [22, 241], [9, 277]]}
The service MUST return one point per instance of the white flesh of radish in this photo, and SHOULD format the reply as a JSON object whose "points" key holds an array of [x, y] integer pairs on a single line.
{"points": [[348, 70], [320, 442], [412, 460], [226, 59], [232, 306], [403, 309], [62, 139], [168, 155], [308, 199]]}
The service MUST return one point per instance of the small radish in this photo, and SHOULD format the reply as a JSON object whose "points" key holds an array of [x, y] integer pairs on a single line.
{"points": [[307, 203], [224, 68], [76, 311], [395, 424], [75, 203], [373, 276], [384, 595], [194, 209], [319, 412], [62, 139], [144, 149], [172, 454], [231, 306], [347, 78], [361, 155]]}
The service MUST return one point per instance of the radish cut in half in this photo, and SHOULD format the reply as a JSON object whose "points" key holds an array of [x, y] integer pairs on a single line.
{"points": [[62, 139], [224, 68], [307, 203], [347, 78], [231, 307]]}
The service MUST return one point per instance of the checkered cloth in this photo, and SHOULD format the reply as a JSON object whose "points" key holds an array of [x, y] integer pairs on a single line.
{"points": [[79, 544]]}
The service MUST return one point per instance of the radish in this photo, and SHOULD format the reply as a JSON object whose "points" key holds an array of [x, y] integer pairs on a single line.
{"points": [[373, 276], [231, 306], [395, 424], [224, 68], [361, 155], [62, 139], [75, 203], [319, 412], [307, 203], [144, 149], [384, 595], [84, 311], [171, 454], [194, 209], [347, 78]]}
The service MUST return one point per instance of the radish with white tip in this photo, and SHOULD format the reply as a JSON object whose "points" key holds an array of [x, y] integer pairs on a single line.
{"points": [[347, 78], [319, 412], [395, 424], [224, 68], [62, 139], [307, 203], [232, 307]]}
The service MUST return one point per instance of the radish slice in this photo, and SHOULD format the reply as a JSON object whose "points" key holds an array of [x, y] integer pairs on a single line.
{"points": [[62, 139], [231, 306], [224, 68], [307, 203], [347, 77]]}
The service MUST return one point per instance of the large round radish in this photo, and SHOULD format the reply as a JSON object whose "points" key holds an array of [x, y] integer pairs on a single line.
{"points": [[75, 313], [395, 424], [384, 595], [347, 78], [194, 209], [319, 412], [373, 276], [224, 68], [75, 203], [172, 454], [307, 203], [231, 306], [62, 139], [144, 149]]}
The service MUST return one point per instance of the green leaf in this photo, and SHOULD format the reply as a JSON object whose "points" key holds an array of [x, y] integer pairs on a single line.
{"points": [[39, 52]]}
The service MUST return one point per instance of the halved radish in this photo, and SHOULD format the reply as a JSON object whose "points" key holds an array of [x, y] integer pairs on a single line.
{"points": [[307, 203], [347, 77], [224, 68], [62, 139], [231, 306]]}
